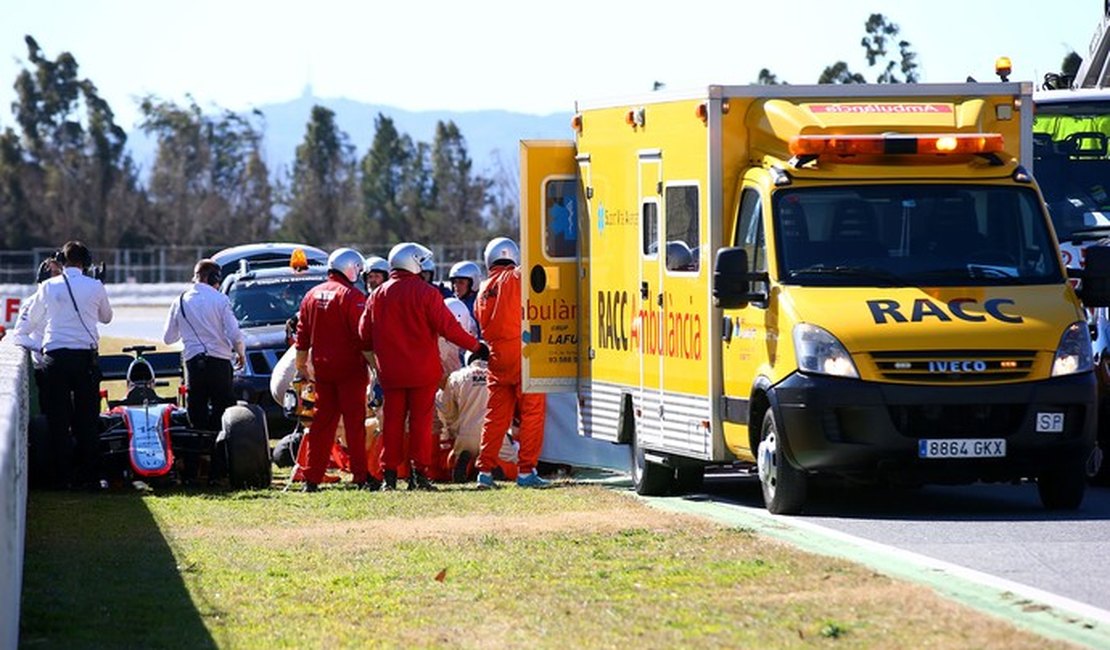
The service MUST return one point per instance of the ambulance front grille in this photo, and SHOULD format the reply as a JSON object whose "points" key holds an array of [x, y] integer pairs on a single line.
{"points": [[957, 420], [954, 366]]}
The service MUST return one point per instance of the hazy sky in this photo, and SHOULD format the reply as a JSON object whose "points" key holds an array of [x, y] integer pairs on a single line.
{"points": [[517, 55]]}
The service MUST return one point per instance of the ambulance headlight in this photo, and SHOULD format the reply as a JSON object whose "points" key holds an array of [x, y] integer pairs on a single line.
{"points": [[819, 352], [1073, 355]]}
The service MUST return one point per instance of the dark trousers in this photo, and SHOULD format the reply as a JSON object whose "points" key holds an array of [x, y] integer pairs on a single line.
{"points": [[209, 395], [71, 381], [210, 392]]}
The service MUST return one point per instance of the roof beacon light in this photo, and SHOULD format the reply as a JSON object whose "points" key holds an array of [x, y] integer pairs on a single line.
{"points": [[298, 260], [896, 144], [1003, 68]]}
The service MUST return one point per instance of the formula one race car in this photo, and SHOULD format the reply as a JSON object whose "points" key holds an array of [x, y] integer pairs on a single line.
{"points": [[147, 437]]}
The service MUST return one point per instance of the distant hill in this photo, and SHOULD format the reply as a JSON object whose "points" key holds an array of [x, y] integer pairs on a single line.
{"points": [[489, 134]]}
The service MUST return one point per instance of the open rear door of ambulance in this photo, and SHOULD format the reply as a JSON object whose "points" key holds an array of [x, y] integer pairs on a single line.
{"points": [[549, 200]]}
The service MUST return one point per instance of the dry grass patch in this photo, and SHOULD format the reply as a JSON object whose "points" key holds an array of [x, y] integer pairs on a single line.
{"points": [[350, 535], [580, 566]]}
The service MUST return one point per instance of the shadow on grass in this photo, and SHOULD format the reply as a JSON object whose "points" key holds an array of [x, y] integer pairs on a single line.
{"points": [[99, 574]]}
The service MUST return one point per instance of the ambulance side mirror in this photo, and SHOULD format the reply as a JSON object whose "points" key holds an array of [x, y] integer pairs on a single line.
{"points": [[732, 280], [1095, 288]]}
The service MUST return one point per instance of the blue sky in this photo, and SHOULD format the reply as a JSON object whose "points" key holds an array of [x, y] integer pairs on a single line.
{"points": [[508, 54]]}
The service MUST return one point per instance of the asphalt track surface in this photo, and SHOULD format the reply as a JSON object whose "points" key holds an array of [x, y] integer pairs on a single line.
{"points": [[992, 547]]}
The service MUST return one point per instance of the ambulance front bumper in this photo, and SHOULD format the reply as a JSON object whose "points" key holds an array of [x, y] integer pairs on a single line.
{"points": [[848, 426]]}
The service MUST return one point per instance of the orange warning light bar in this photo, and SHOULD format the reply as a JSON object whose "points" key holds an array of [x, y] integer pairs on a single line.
{"points": [[896, 144]]}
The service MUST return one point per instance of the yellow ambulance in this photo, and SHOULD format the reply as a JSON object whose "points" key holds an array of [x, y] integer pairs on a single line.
{"points": [[854, 280]]}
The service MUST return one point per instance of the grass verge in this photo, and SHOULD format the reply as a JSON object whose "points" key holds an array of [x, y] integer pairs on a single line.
{"points": [[577, 566]]}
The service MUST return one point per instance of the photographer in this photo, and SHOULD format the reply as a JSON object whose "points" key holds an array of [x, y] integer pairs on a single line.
{"points": [[66, 309], [201, 317]]}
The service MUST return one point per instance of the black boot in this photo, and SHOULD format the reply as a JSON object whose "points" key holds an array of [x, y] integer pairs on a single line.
{"points": [[371, 484], [460, 473], [421, 482], [310, 487], [390, 482]]}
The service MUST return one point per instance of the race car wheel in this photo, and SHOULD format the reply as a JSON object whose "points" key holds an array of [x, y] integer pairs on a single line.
{"points": [[285, 451], [38, 452], [784, 486], [246, 443], [1062, 487]]}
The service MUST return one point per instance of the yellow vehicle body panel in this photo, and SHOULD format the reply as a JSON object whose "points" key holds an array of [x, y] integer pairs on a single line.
{"points": [[656, 355], [549, 257]]}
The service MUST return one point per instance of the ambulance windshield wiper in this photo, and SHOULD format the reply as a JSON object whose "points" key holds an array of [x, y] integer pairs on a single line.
{"points": [[864, 272], [996, 275]]}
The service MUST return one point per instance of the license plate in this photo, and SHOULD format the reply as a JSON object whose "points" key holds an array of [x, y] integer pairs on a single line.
{"points": [[1050, 423], [962, 448]]}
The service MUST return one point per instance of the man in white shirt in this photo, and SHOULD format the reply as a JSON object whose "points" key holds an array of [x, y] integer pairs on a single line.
{"points": [[201, 317], [67, 309]]}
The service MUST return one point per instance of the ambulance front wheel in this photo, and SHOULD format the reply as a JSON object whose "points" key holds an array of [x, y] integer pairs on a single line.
{"points": [[649, 478], [784, 486]]}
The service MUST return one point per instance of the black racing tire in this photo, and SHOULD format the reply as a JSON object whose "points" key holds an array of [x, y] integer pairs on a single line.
{"points": [[689, 478], [246, 442], [1062, 486], [285, 451], [649, 479], [39, 458], [784, 486]]}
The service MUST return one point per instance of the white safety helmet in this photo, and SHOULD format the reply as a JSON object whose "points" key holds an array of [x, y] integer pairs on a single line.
{"points": [[502, 249], [429, 266], [346, 261], [462, 314], [375, 263], [468, 270], [408, 256]]}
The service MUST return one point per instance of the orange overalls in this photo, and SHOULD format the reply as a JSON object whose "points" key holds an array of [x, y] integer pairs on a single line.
{"points": [[498, 309]]}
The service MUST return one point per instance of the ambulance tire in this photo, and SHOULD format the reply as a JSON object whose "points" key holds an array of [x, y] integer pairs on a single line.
{"points": [[784, 486], [246, 442], [1061, 487], [649, 479]]}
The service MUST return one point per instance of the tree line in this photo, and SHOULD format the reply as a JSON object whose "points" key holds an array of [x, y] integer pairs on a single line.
{"points": [[65, 173]]}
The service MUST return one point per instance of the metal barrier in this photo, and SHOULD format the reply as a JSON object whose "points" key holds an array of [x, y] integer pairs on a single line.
{"points": [[14, 374], [167, 264]]}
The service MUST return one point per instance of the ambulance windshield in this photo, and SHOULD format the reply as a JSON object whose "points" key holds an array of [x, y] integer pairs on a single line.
{"points": [[913, 235], [1072, 164]]}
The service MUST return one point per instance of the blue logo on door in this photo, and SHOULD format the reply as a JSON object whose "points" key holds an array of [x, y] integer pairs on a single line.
{"points": [[600, 217]]}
